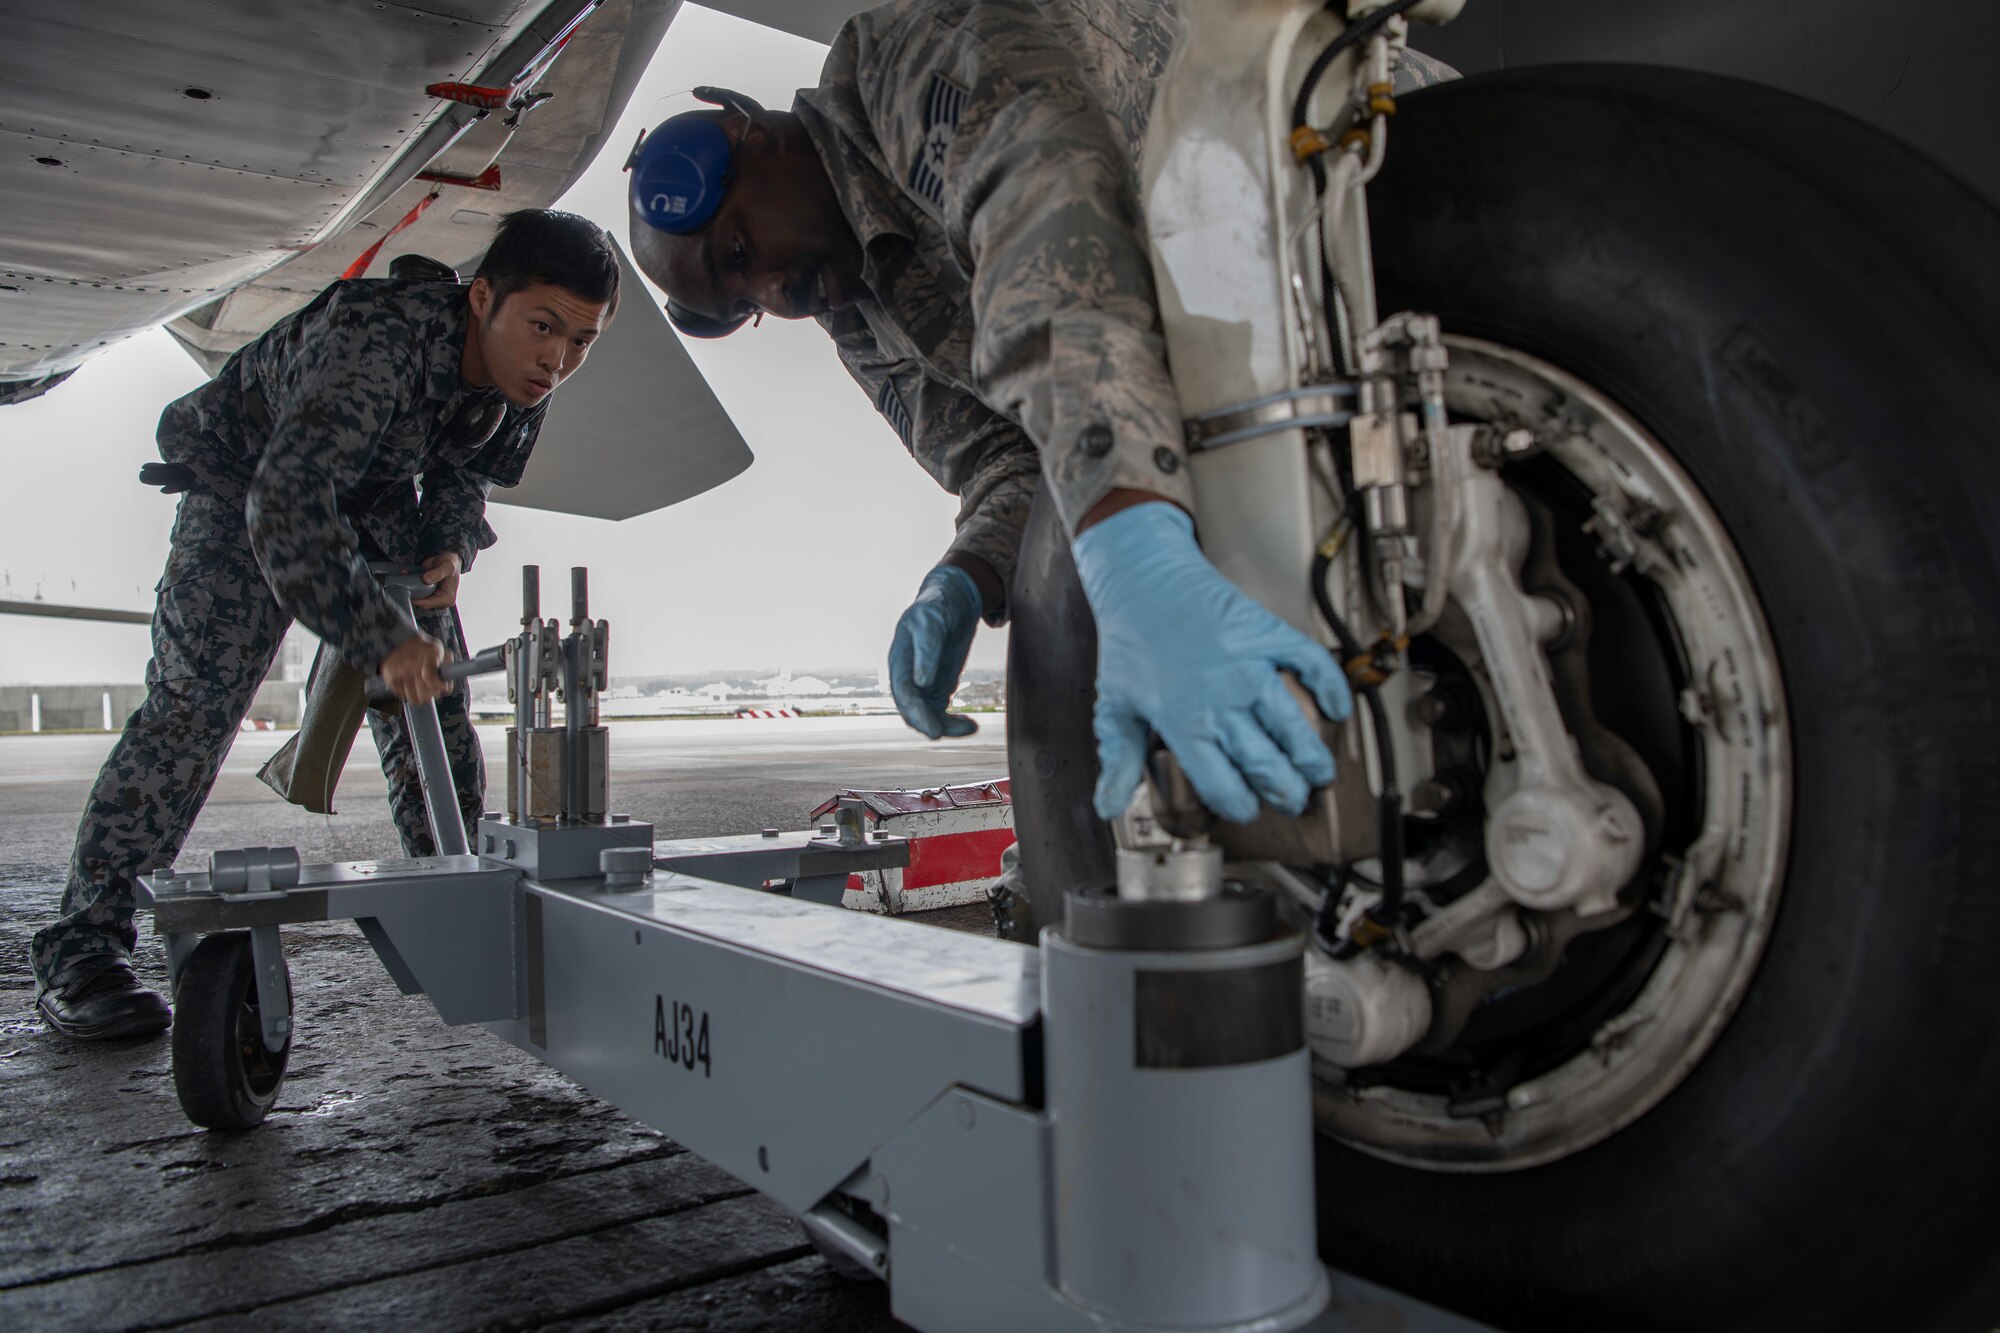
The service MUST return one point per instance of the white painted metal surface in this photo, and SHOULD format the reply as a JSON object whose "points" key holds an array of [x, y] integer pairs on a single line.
{"points": [[1221, 208], [1739, 713]]}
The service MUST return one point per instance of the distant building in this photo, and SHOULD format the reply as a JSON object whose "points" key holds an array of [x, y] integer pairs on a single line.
{"points": [[982, 694], [788, 686], [295, 655], [718, 692]]}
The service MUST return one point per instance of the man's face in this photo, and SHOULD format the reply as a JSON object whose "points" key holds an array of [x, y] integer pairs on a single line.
{"points": [[531, 341], [778, 244]]}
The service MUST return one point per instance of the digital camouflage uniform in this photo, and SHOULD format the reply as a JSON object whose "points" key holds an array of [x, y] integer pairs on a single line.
{"points": [[309, 448], [986, 153]]}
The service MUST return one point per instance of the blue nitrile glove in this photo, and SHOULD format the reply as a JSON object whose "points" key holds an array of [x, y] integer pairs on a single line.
{"points": [[928, 652], [1180, 648]]}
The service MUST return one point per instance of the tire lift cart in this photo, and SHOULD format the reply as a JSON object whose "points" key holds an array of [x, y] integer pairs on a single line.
{"points": [[1109, 1131]]}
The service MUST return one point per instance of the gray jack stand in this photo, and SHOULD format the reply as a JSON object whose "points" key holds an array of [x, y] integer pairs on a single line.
{"points": [[1110, 1131]]}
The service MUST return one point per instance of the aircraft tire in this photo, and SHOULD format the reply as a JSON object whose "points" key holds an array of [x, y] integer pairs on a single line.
{"points": [[1051, 691], [1831, 1162]]}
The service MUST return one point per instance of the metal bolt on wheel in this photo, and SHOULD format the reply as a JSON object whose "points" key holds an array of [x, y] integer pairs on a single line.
{"points": [[224, 1074]]}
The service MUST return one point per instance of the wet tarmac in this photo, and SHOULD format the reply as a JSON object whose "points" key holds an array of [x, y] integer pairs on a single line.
{"points": [[412, 1175]]}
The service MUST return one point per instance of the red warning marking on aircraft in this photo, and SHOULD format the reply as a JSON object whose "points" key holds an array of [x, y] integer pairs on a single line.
{"points": [[488, 179], [360, 266]]}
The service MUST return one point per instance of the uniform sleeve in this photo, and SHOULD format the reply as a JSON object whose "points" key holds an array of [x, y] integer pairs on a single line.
{"points": [[991, 125], [454, 514], [340, 387], [455, 493], [978, 455]]}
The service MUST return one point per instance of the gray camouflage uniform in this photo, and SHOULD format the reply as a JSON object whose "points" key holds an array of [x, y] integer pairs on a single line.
{"points": [[308, 447], [986, 154]]}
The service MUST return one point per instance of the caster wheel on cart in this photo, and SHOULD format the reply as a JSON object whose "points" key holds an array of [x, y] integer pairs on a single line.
{"points": [[225, 1076]]}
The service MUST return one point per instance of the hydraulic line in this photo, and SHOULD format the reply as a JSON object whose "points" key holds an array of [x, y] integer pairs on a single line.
{"points": [[1326, 920], [1351, 36], [1381, 920], [1341, 324], [1390, 803], [1331, 294]]}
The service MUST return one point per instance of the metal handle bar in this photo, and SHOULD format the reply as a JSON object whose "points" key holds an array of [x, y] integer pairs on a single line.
{"points": [[483, 663]]}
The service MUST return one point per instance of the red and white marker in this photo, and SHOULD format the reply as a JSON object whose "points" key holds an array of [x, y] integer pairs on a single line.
{"points": [[956, 837]]}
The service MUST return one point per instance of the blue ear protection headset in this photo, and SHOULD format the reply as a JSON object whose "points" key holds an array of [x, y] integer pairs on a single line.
{"points": [[680, 172]]}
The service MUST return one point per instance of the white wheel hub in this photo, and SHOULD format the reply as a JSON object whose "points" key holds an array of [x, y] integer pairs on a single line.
{"points": [[1724, 889]]}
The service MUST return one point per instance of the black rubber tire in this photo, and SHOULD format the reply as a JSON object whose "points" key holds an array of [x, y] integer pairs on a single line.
{"points": [[223, 1075], [1807, 314], [1051, 692]]}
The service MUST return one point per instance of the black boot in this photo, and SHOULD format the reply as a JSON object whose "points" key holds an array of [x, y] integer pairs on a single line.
{"points": [[94, 1004]]}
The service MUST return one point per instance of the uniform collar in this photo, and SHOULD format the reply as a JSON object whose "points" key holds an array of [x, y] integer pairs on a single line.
{"points": [[441, 357], [854, 163]]}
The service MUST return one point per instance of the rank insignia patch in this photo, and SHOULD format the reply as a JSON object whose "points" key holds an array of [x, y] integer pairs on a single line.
{"points": [[944, 102], [890, 404]]}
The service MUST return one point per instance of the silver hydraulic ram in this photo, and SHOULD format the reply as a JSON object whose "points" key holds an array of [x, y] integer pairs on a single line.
{"points": [[576, 715], [556, 820], [1182, 1132], [522, 677], [536, 747], [586, 745]]}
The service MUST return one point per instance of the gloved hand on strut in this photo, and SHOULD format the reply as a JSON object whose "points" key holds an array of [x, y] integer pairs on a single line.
{"points": [[1179, 647], [928, 652]]}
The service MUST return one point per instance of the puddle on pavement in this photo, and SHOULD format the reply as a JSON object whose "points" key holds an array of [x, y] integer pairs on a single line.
{"points": [[327, 1104]]}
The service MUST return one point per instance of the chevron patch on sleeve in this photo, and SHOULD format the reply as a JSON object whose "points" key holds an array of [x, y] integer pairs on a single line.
{"points": [[944, 102], [890, 404]]}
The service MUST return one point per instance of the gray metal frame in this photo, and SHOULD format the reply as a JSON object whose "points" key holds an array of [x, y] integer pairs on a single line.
{"points": [[1080, 1136], [880, 1078], [914, 1095]]}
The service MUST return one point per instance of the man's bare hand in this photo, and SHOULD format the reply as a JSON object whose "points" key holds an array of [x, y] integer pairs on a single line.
{"points": [[411, 670], [443, 570]]}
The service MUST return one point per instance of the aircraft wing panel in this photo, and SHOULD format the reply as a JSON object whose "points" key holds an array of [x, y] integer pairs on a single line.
{"points": [[817, 20], [157, 155], [538, 161]]}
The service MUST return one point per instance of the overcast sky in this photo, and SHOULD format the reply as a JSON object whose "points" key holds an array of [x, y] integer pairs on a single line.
{"points": [[803, 561]]}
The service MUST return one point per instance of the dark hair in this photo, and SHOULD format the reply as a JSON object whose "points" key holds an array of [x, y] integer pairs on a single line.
{"points": [[544, 245]]}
